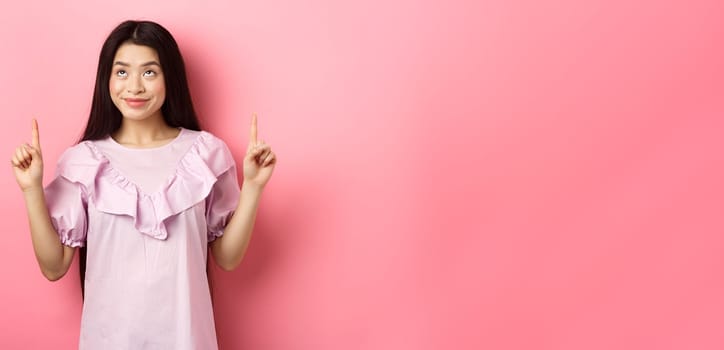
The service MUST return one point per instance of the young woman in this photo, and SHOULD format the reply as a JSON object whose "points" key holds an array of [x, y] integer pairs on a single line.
{"points": [[146, 193]]}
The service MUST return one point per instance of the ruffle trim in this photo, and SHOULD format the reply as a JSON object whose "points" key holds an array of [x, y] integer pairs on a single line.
{"points": [[70, 242], [111, 192]]}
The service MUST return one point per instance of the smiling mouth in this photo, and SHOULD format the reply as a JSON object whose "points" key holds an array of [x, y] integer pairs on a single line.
{"points": [[135, 102]]}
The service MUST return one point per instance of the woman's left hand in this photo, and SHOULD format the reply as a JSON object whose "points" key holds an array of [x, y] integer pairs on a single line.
{"points": [[259, 160]]}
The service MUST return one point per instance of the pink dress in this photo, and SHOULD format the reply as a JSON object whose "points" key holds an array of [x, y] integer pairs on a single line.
{"points": [[146, 217]]}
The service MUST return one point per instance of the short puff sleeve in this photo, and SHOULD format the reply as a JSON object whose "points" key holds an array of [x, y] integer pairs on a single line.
{"points": [[224, 196], [67, 205]]}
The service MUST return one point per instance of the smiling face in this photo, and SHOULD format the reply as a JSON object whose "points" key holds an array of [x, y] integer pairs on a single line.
{"points": [[137, 85]]}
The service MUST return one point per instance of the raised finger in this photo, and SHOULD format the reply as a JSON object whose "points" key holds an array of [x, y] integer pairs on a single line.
{"points": [[253, 132], [36, 135]]}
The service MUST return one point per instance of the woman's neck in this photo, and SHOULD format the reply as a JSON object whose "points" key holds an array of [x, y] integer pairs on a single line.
{"points": [[144, 133]]}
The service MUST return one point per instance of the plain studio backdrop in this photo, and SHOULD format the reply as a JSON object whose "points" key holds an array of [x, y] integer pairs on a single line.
{"points": [[452, 174]]}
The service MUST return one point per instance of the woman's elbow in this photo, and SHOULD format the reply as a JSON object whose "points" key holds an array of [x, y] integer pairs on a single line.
{"points": [[52, 276], [228, 266]]}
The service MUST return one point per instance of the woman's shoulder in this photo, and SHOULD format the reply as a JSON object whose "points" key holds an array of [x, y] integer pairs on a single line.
{"points": [[80, 163], [82, 152], [212, 150], [207, 143], [206, 137]]}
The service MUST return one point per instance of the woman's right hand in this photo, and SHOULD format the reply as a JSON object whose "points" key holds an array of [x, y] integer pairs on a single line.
{"points": [[28, 163]]}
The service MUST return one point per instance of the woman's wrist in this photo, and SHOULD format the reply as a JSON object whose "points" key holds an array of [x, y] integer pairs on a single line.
{"points": [[249, 186], [33, 190]]}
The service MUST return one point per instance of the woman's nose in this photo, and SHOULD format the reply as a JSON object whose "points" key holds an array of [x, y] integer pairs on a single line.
{"points": [[135, 85]]}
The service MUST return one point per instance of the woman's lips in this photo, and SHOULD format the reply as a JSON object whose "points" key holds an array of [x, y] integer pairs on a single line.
{"points": [[135, 102]]}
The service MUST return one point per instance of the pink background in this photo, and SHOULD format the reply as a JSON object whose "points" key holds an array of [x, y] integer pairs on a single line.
{"points": [[452, 174]]}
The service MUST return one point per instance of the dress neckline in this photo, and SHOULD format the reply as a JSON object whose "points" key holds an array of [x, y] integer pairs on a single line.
{"points": [[165, 145]]}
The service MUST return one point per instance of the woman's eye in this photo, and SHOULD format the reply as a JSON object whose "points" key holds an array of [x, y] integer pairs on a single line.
{"points": [[149, 73], [121, 73]]}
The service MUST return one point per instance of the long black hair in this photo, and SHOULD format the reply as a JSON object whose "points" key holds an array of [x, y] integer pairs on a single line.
{"points": [[177, 108]]}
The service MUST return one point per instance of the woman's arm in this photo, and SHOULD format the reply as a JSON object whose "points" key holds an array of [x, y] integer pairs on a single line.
{"points": [[259, 162], [228, 250], [53, 257]]}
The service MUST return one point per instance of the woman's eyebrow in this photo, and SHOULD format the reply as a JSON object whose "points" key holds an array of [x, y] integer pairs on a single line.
{"points": [[149, 63]]}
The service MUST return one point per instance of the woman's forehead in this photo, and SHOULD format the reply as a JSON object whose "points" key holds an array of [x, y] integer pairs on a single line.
{"points": [[135, 55]]}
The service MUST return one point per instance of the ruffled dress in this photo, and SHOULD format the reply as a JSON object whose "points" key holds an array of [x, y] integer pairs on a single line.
{"points": [[146, 217]]}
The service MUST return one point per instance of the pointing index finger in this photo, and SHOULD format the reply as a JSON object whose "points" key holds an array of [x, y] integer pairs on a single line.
{"points": [[252, 137], [36, 134]]}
